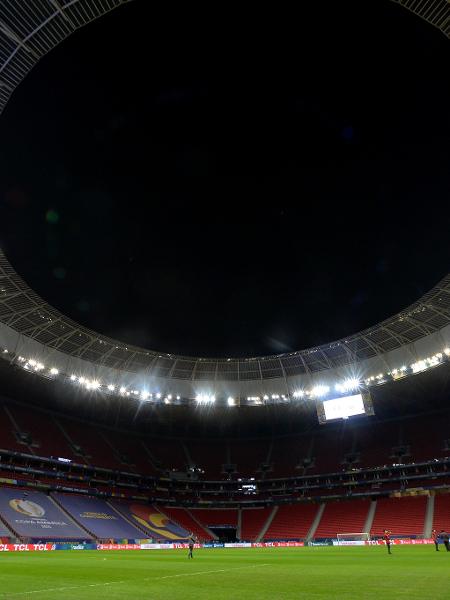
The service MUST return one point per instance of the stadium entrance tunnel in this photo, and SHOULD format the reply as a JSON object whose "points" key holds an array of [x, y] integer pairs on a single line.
{"points": [[225, 534]]}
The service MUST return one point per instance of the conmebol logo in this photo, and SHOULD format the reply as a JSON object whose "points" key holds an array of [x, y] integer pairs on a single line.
{"points": [[27, 507]]}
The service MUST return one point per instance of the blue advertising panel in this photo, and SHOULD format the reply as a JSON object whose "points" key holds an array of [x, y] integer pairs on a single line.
{"points": [[34, 515], [98, 517]]}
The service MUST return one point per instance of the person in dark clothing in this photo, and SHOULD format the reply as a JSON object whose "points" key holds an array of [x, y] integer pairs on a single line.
{"points": [[387, 539], [445, 538], [191, 542], [435, 538]]}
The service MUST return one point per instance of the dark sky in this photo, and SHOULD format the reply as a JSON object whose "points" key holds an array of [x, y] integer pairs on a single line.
{"points": [[230, 183]]}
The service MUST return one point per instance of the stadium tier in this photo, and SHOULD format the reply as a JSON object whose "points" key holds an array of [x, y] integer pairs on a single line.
{"points": [[441, 512], [132, 453], [151, 521], [41, 431], [342, 517], [249, 455], [35, 516], [185, 520], [292, 522], [212, 461], [403, 516], [167, 454], [216, 517], [89, 445], [253, 520], [97, 517]]}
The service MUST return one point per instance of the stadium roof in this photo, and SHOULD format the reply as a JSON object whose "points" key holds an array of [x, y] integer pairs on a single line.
{"points": [[30, 326], [29, 322], [28, 30]]}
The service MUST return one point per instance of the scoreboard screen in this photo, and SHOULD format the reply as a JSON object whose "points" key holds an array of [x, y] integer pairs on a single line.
{"points": [[344, 407]]}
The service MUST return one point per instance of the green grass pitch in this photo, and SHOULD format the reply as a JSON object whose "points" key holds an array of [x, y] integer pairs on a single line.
{"points": [[263, 573]]}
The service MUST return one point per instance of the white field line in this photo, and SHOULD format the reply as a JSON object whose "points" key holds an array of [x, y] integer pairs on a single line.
{"points": [[92, 585]]}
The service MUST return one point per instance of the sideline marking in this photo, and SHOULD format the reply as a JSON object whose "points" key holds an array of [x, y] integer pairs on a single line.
{"points": [[78, 587]]}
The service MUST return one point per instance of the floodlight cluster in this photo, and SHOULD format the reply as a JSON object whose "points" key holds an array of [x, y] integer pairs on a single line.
{"points": [[319, 390], [205, 398]]}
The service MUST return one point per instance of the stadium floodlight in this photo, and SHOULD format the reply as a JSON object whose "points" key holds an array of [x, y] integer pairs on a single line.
{"points": [[320, 390], [166, 401], [39, 367], [205, 398], [158, 395], [347, 385], [231, 401], [447, 351], [73, 378], [81, 379], [111, 387], [122, 390], [95, 384], [169, 397], [145, 395], [265, 397], [299, 394], [54, 371], [178, 397], [32, 362]]}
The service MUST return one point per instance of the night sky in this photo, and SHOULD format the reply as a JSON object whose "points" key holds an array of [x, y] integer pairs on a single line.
{"points": [[227, 183]]}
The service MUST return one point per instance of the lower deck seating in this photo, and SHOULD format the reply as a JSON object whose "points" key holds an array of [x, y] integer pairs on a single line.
{"points": [[216, 517], [442, 512], [343, 517], [184, 519], [292, 521], [252, 522], [402, 516]]}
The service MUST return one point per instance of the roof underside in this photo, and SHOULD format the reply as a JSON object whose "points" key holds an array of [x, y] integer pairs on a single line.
{"points": [[28, 30], [25, 312]]}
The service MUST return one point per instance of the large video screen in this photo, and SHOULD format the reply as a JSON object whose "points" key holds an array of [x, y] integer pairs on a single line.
{"points": [[344, 407], [347, 406]]}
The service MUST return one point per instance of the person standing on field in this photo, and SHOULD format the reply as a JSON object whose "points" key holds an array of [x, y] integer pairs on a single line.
{"points": [[445, 538], [387, 539], [435, 538], [191, 543]]}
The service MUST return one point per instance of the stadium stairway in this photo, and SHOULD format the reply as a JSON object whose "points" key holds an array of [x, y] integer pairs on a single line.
{"points": [[429, 516], [293, 521], [7, 527], [370, 516], [239, 525], [267, 524], [89, 534], [315, 524]]}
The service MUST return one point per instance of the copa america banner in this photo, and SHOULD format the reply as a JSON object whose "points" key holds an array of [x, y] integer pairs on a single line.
{"points": [[152, 521], [98, 517], [34, 515]]}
